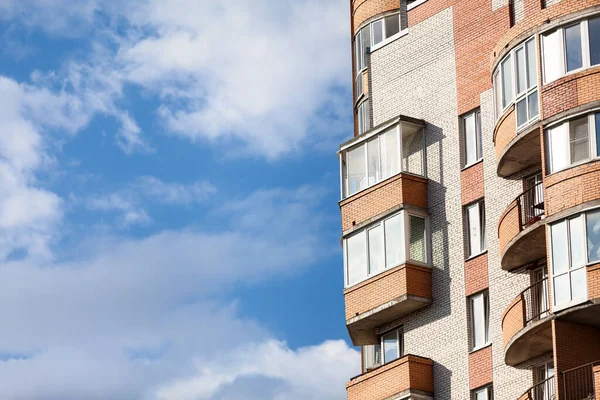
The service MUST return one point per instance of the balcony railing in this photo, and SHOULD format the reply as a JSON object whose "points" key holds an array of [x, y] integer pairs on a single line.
{"points": [[579, 382], [531, 205], [536, 301], [542, 391]]}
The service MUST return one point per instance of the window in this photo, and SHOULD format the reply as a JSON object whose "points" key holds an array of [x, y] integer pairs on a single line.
{"points": [[364, 120], [479, 313], [569, 261], [382, 156], [571, 48], [573, 142], [545, 388], [515, 81], [381, 246], [475, 228], [485, 393], [472, 138], [390, 348], [593, 236]]}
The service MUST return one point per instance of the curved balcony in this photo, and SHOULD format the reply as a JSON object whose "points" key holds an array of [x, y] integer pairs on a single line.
{"points": [[526, 327], [407, 376], [516, 151], [362, 10], [572, 187], [541, 391], [521, 230], [384, 298]]}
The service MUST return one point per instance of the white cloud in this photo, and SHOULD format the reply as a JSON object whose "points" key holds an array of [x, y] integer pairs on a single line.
{"points": [[175, 193]]}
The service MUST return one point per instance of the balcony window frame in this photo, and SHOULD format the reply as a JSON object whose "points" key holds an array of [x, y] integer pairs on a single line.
{"points": [[487, 389], [378, 350], [484, 297], [363, 116], [478, 138], [405, 216], [482, 228], [593, 122]]}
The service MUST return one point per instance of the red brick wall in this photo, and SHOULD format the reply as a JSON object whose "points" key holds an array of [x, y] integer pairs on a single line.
{"points": [[571, 91], [471, 180], [506, 131], [409, 372], [476, 274], [572, 187], [509, 225], [362, 10], [593, 281], [401, 189], [513, 319], [480, 368], [597, 381], [389, 285]]}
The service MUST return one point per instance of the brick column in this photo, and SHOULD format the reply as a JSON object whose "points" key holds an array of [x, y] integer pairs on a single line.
{"points": [[597, 381]]}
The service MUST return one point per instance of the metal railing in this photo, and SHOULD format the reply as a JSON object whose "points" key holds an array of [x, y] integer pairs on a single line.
{"points": [[542, 391], [531, 205], [579, 382], [536, 301]]}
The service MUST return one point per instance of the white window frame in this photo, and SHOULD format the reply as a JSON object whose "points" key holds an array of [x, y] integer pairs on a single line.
{"points": [[570, 269], [405, 216], [480, 204], [565, 125], [364, 122], [498, 76], [585, 48], [484, 297], [478, 141], [369, 352], [488, 390]]}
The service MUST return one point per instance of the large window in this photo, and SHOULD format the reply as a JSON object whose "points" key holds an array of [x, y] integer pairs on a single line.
{"points": [[396, 149], [573, 142], [472, 138], [571, 48], [382, 245], [485, 393], [390, 348], [515, 81], [363, 115], [475, 228], [479, 315]]}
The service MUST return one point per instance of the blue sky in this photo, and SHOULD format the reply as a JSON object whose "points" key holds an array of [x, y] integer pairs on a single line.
{"points": [[169, 226]]}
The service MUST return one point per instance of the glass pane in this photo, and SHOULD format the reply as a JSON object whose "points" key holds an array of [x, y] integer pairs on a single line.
{"points": [[376, 256], [394, 241], [478, 321], [597, 118], [560, 250], [390, 347], [470, 139], [573, 47], [522, 112], [417, 239], [507, 82], [532, 103], [356, 248], [593, 236], [377, 31], [579, 140], [552, 56], [373, 168], [357, 179], [392, 25], [594, 27], [579, 285], [531, 63], [562, 293], [390, 153], [558, 153], [365, 39], [577, 242], [521, 70], [412, 152], [498, 93], [474, 226], [481, 394]]}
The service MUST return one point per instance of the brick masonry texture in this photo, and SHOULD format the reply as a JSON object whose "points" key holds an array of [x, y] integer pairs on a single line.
{"points": [[471, 180], [571, 91], [572, 187], [476, 274], [506, 131], [362, 10], [480, 368], [403, 280], [513, 319], [409, 372], [400, 189]]}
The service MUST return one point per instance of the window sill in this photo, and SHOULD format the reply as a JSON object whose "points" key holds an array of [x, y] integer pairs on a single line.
{"points": [[415, 4], [527, 125], [562, 307], [589, 160], [389, 40], [476, 255], [476, 349], [472, 164]]}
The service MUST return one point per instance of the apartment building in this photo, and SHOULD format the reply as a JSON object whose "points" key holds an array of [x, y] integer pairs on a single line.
{"points": [[470, 199]]}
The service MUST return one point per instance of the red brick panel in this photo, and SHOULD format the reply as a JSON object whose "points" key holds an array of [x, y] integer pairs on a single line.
{"points": [[401, 189], [480, 368], [593, 281], [403, 280], [572, 187], [513, 319], [597, 381], [559, 96], [509, 225], [506, 131], [476, 274], [471, 180], [362, 10], [426, 10], [409, 372], [568, 349]]}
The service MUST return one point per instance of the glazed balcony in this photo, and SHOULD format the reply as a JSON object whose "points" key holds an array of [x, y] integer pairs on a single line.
{"points": [[542, 391], [526, 327], [521, 232], [409, 375], [384, 298]]}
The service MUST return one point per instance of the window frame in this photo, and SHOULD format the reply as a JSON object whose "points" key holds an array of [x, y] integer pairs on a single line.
{"points": [[405, 229], [488, 389], [478, 138], [485, 296], [374, 363], [363, 116], [482, 228]]}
